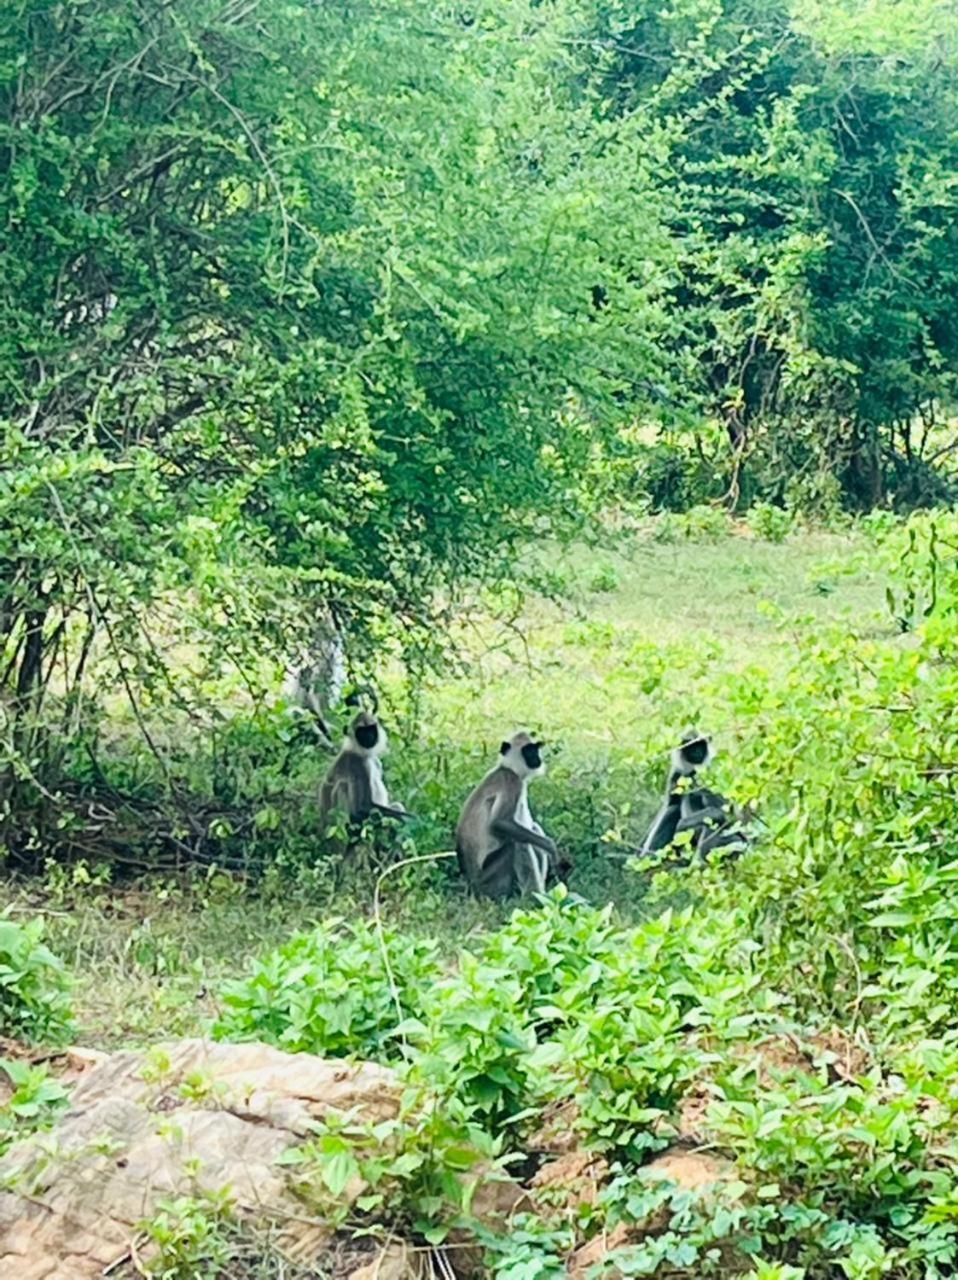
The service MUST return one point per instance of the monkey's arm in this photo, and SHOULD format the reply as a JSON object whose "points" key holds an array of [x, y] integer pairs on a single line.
{"points": [[701, 809], [391, 812], [662, 831], [509, 829], [326, 803]]}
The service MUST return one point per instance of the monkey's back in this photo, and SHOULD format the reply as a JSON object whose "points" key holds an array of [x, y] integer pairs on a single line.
{"points": [[346, 788], [485, 858]]}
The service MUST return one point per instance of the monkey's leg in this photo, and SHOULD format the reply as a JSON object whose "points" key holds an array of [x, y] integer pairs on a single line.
{"points": [[662, 832], [495, 878], [530, 869]]}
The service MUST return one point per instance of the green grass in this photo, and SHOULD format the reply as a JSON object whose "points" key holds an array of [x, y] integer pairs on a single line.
{"points": [[608, 679], [566, 671]]}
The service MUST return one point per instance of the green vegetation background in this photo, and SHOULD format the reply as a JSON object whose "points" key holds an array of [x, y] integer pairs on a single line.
{"points": [[594, 365]]}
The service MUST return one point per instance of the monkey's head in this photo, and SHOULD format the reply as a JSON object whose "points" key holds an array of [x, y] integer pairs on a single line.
{"points": [[523, 756], [693, 752], [367, 735]]}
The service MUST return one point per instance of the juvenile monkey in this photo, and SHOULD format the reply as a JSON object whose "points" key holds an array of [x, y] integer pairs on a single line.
{"points": [[502, 849], [354, 784]]}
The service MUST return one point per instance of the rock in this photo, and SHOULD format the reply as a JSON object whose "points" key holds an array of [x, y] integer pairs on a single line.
{"points": [[78, 1059], [557, 1133], [597, 1250], [190, 1117], [495, 1198], [570, 1181], [689, 1170], [398, 1261]]}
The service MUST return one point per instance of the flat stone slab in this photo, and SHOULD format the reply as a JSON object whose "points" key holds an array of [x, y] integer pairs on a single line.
{"points": [[180, 1119]]}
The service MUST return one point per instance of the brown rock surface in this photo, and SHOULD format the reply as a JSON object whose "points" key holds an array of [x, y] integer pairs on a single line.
{"points": [[194, 1117], [557, 1132], [597, 1250], [571, 1180], [493, 1201], [397, 1261], [689, 1170]]}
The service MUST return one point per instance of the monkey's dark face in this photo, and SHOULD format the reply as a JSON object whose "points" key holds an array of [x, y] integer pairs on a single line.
{"points": [[367, 735], [522, 755], [696, 751]]}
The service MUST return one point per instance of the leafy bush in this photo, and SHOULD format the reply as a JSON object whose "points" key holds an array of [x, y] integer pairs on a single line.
{"points": [[329, 992], [34, 1102], [702, 523], [190, 1237], [34, 986], [774, 524], [416, 1167], [605, 578]]}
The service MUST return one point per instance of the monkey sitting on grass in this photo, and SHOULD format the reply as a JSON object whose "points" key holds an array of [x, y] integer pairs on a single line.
{"points": [[502, 850], [354, 784], [690, 807]]}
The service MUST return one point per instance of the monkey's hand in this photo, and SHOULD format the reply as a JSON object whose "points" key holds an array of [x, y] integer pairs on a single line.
{"points": [[560, 864]]}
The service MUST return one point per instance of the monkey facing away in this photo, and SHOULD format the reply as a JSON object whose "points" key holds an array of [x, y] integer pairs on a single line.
{"points": [[690, 807], [315, 682], [354, 784], [501, 848]]}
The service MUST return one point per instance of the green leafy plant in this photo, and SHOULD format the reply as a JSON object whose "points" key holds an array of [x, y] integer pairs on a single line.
{"points": [[701, 523], [34, 1103], [34, 986], [604, 579], [774, 524], [331, 992], [190, 1238], [418, 1170]]}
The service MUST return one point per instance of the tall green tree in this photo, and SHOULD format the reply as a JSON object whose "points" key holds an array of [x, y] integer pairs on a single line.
{"points": [[813, 196], [295, 310]]}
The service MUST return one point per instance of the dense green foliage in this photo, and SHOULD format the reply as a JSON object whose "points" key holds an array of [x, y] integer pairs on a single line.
{"points": [[329, 992], [33, 1103], [845, 1154], [34, 987], [279, 339], [392, 313], [811, 174]]}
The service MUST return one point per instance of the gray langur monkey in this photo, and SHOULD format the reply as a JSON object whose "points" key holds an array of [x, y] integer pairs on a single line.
{"points": [[315, 681], [354, 784], [501, 848], [690, 807]]}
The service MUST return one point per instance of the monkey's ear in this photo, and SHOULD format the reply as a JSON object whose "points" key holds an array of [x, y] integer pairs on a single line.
{"points": [[505, 748]]}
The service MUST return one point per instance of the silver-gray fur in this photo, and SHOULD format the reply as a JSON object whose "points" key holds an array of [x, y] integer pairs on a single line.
{"points": [[354, 783], [315, 681], [502, 850]]}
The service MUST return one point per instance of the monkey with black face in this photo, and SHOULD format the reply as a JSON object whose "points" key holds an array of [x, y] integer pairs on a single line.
{"points": [[501, 848], [354, 784], [689, 807]]}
